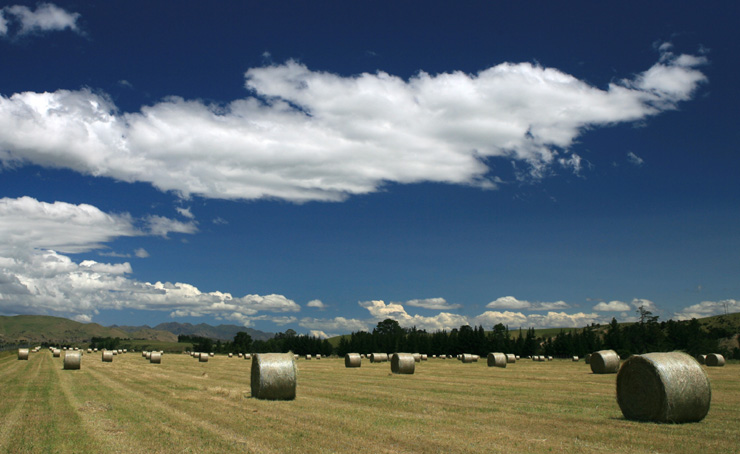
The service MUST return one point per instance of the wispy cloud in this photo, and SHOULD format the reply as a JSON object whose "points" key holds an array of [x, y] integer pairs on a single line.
{"points": [[310, 135], [19, 20], [509, 302], [634, 159]]}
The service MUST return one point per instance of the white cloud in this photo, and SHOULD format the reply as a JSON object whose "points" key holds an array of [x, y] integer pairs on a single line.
{"points": [[510, 302], [318, 304], [335, 325], [433, 303], [319, 334], [645, 304], [141, 253], [550, 320], [311, 135], [379, 310], [612, 306], [707, 309], [634, 159], [46, 17], [185, 212], [161, 226]]}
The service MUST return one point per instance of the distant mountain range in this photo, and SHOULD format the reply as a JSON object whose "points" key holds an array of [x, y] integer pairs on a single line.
{"points": [[44, 328]]}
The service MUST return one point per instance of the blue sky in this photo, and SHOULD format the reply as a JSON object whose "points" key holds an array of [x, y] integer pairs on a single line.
{"points": [[323, 166]]}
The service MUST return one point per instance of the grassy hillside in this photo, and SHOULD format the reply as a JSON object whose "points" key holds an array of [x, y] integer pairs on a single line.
{"points": [[44, 328]]}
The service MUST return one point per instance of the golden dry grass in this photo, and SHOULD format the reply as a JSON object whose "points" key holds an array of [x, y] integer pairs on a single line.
{"points": [[184, 406]]}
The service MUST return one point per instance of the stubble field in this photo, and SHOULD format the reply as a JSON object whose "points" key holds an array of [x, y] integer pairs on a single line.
{"points": [[183, 406]]}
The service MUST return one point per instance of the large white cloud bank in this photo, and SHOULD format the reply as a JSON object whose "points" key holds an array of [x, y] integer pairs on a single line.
{"points": [[310, 135]]}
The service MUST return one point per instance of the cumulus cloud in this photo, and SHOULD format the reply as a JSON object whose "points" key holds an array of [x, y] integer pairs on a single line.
{"points": [[310, 135], [634, 159], [334, 325], [47, 17], [161, 226], [509, 302], [439, 304], [550, 320], [318, 304], [648, 305], [141, 253], [319, 334], [379, 310], [707, 309], [612, 306]]}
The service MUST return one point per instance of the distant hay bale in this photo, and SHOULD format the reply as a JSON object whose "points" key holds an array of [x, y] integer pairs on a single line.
{"points": [[604, 362], [549, 358], [149, 355], [663, 387], [114, 352], [107, 357], [155, 358], [318, 356], [72, 360], [715, 360], [308, 357], [296, 356], [587, 358], [203, 358], [211, 354], [467, 358], [143, 353], [403, 363], [424, 357], [89, 350], [497, 360], [378, 357], [417, 357], [231, 355], [240, 355], [247, 356], [702, 359], [274, 376], [511, 358], [352, 360], [56, 353], [23, 354], [575, 358]]}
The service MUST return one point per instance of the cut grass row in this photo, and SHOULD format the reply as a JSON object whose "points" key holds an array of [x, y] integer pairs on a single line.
{"points": [[181, 405]]}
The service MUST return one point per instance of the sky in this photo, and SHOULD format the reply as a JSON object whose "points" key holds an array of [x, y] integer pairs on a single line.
{"points": [[322, 166]]}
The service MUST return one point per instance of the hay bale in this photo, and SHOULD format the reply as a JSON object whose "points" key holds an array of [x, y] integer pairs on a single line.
{"points": [[318, 356], [497, 360], [107, 357], [203, 358], [72, 360], [274, 376], [149, 355], [549, 358], [143, 353], [211, 354], [247, 356], [352, 360], [231, 355], [575, 358], [715, 360], [56, 353], [702, 359], [663, 387], [155, 358], [417, 357], [510, 358], [604, 362], [403, 363], [587, 358], [467, 358], [23, 354], [378, 357], [424, 357]]}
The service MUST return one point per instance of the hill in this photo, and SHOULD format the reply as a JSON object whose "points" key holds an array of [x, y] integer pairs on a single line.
{"points": [[220, 332], [44, 328]]}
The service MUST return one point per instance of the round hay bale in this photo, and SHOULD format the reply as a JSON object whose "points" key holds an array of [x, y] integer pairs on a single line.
{"points": [[203, 358], [403, 363], [467, 358], [72, 360], [702, 359], [417, 357], [143, 353], [378, 357], [715, 360], [274, 376], [424, 357], [549, 358], [497, 360], [511, 358], [240, 355], [23, 354], [155, 358], [663, 387], [231, 355], [247, 356], [149, 355], [575, 358], [352, 360], [211, 354], [587, 358], [107, 357], [308, 357], [56, 353], [605, 362], [318, 356], [89, 350]]}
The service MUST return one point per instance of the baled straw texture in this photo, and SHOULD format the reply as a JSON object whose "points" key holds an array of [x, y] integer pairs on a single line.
{"points": [[605, 362], [274, 376], [511, 358], [497, 360], [403, 363], [467, 358], [23, 354], [715, 360], [107, 356], [203, 358], [378, 357], [663, 387], [155, 358], [352, 360], [72, 360]]}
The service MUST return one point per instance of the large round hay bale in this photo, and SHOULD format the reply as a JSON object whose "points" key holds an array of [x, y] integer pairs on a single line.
{"points": [[715, 360], [352, 360], [467, 358], [497, 360], [23, 354], [203, 358], [72, 360], [511, 358], [107, 356], [155, 358], [403, 363], [274, 376], [702, 359], [605, 362], [663, 387], [56, 353]]}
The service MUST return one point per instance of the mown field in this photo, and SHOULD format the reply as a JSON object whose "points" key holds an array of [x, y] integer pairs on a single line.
{"points": [[183, 406]]}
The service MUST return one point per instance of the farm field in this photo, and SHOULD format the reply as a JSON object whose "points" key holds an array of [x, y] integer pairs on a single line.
{"points": [[184, 406]]}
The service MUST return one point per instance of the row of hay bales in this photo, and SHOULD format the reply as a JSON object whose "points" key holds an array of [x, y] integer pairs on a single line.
{"points": [[711, 360]]}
